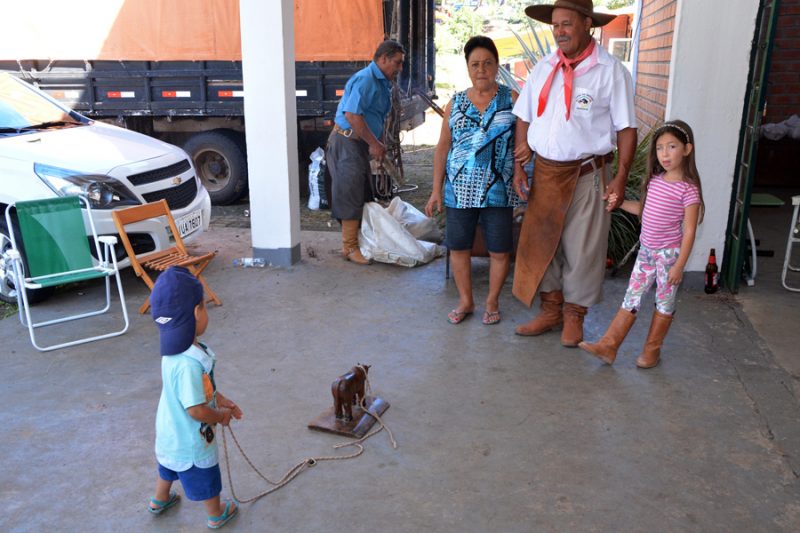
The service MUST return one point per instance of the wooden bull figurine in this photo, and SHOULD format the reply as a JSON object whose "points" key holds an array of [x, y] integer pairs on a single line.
{"points": [[348, 390]]}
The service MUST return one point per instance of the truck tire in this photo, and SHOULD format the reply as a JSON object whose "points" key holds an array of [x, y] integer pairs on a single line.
{"points": [[221, 164], [8, 288]]}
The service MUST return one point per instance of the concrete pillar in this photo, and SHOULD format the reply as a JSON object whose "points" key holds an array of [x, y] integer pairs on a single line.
{"points": [[708, 79], [271, 127]]}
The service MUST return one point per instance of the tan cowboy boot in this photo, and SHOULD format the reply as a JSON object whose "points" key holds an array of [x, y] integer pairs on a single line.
{"points": [[606, 348], [350, 249], [548, 318], [651, 354], [572, 333]]}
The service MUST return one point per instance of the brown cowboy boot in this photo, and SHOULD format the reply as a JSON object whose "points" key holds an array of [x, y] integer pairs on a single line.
{"points": [[350, 249], [572, 333], [606, 348], [548, 318], [651, 354]]}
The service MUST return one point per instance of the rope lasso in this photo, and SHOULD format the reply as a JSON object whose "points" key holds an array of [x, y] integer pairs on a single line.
{"points": [[383, 184], [307, 462]]}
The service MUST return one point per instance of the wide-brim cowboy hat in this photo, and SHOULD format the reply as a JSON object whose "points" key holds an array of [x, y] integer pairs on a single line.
{"points": [[544, 12]]}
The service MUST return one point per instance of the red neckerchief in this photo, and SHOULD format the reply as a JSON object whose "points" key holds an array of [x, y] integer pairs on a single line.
{"points": [[569, 74]]}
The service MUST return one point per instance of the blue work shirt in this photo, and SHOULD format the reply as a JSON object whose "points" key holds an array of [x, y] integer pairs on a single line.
{"points": [[367, 93]]}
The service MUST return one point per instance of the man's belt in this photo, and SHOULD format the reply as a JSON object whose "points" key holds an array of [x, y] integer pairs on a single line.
{"points": [[349, 133], [598, 161], [586, 164]]}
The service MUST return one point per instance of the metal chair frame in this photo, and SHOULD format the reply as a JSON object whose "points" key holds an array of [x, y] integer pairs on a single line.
{"points": [[105, 267], [793, 227]]}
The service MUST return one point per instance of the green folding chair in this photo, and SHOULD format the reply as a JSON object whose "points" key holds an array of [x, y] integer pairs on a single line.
{"points": [[55, 249]]}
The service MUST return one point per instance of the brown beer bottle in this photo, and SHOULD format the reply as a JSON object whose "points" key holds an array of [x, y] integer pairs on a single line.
{"points": [[712, 274]]}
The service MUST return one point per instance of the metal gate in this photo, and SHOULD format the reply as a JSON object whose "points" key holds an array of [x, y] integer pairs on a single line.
{"points": [[755, 103]]}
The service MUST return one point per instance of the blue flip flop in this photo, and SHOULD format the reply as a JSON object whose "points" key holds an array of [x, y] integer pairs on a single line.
{"points": [[225, 517], [163, 506]]}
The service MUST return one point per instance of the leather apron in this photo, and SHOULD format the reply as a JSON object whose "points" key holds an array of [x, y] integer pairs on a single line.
{"points": [[550, 196]]}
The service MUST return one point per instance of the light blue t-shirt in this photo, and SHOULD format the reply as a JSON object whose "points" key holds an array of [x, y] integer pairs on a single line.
{"points": [[367, 93], [188, 380]]}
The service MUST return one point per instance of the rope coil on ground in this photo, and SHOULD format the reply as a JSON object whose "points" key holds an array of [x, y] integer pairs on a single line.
{"points": [[307, 462]]}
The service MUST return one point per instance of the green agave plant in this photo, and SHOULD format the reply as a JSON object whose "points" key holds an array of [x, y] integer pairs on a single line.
{"points": [[623, 237]]}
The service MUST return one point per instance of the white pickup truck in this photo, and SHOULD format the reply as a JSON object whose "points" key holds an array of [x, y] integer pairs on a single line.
{"points": [[48, 150]]}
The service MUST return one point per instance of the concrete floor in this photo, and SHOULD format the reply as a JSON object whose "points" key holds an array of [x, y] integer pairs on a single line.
{"points": [[496, 432]]}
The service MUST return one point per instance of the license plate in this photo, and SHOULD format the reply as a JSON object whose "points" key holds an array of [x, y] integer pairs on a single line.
{"points": [[189, 223]]}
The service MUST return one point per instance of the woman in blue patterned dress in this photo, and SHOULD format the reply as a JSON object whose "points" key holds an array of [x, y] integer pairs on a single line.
{"points": [[473, 166]]}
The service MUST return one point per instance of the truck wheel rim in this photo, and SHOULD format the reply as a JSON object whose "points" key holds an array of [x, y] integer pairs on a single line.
{"points": [[7, 286], [213, 168]]}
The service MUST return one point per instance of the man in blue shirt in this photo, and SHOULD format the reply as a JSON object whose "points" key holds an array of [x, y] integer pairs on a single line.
{"points": [[357, 135]]}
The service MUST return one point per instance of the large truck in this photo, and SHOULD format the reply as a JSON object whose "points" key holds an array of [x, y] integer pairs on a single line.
{"points": [[172, 69]]}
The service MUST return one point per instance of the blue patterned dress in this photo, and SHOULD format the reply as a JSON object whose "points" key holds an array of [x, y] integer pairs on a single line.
{"points": [[480, 163]]}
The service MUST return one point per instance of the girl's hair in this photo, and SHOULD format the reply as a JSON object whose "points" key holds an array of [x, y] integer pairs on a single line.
{"points": [[481, 41], [683, 132]]}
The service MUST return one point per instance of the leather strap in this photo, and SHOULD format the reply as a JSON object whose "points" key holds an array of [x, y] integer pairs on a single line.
{"points": [[598, 160], [349, 133]]}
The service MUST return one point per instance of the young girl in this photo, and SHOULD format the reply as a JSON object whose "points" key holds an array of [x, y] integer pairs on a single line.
{"points": [[671, 208]]}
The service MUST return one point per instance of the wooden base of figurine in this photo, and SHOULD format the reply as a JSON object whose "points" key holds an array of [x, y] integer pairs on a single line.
{"points": [[355, 428]]}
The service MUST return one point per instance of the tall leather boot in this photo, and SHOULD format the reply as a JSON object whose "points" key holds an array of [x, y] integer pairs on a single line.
{"points": [[572, 333], [606, 348], [548, 318], [651, 354], [350, 249]]}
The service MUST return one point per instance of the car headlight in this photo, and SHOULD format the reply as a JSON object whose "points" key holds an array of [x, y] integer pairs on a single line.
{"points": [[102, 192]]}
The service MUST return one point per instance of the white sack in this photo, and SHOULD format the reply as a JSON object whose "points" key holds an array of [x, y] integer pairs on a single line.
{"points": [[384, 239], [313, 178], [420, 226], [778, 130]]}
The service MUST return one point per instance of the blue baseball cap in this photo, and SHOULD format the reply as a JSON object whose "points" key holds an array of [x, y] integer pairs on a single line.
{"points": [[175, 295]]}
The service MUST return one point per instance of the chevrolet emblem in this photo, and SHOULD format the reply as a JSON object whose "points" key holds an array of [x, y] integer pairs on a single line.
{"points": [[176, 181]]}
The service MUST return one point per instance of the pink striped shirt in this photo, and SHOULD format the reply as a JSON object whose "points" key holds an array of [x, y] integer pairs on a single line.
{"points": [[662, 216]]}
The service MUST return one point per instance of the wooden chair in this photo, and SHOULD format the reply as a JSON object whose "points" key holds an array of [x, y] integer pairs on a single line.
{"points": [[163, 259]]}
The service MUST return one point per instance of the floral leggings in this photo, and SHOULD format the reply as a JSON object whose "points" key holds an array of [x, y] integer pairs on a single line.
{"points": [[652, 265]]}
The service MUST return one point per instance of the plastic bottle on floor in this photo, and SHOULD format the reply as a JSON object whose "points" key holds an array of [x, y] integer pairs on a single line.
{"points": [[247, 262]]}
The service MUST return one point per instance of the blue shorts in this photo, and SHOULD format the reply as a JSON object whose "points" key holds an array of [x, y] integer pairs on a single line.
{"points": [[198, 483], [495, 222]]}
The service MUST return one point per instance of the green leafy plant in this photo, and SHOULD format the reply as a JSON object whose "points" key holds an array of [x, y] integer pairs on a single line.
{"points": [[616, 4], [7, 310], [623, 237], [457, 29], [534, 46]]}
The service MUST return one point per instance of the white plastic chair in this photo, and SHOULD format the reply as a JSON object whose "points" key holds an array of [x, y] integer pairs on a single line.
{"points": [[794, 237]]}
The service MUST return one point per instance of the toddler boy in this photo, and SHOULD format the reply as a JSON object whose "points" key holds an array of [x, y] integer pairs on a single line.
{"points": [[190, 404]]}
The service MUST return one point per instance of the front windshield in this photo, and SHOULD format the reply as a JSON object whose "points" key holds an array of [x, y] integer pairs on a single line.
{"points": [[22, 107]]}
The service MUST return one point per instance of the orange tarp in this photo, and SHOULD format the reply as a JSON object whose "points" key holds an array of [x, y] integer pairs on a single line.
{"points": [[177, 30], [137, 30], [331, 30]]}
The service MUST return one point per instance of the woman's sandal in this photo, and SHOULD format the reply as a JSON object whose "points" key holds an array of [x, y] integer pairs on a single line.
{"points": [[174, 498], [491, 317], [457, 317], [225, 517]]}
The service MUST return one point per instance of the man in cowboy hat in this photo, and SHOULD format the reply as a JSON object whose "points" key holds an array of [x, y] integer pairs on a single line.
{"points": [[575, 108]]}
